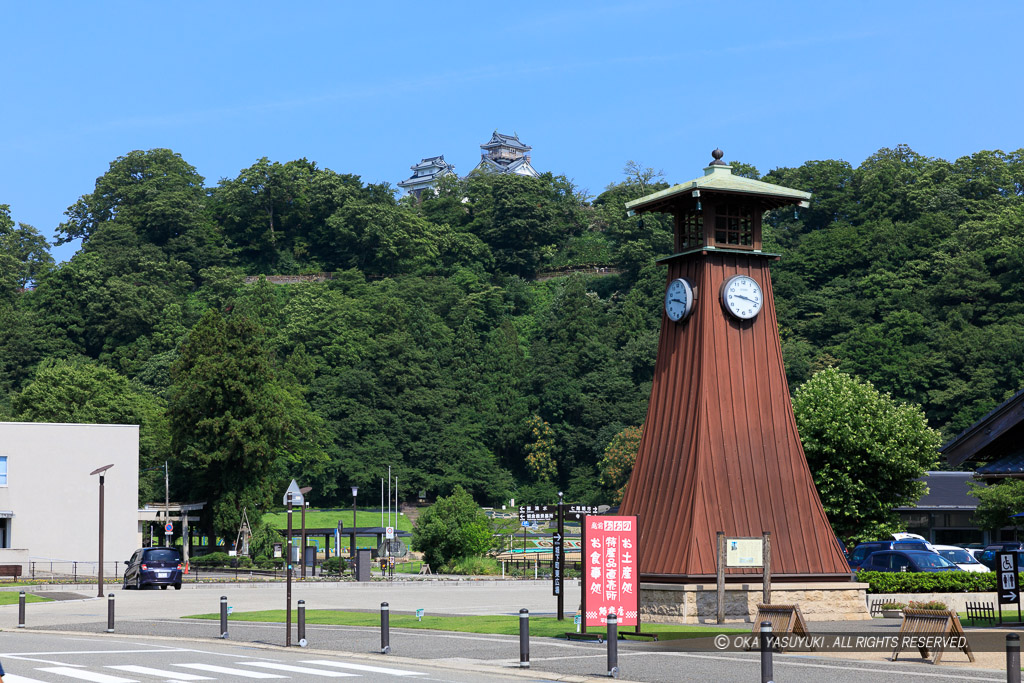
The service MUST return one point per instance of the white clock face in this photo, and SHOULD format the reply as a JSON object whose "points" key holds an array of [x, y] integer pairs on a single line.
{"points": [[742, 297], [679, 299]]}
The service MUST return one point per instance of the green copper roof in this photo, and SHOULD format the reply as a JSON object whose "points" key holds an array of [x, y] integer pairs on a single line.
{"points": [[719, 177]]}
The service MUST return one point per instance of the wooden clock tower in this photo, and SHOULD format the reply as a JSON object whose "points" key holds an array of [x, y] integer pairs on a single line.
{"points": [[720, 449]]}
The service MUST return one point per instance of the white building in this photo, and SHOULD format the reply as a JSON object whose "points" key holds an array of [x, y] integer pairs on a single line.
{"points": [[49, 502], [425, 175], [505, 154]]}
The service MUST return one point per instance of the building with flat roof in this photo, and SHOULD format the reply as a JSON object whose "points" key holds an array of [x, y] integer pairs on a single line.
{"points": [[49, 501]]}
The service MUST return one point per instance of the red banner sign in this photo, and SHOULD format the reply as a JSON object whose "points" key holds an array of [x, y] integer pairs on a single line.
{"points": [[610, 580]]}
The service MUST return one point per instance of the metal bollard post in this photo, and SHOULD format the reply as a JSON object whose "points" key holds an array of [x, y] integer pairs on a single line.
{"points": [[224, 616], [1012, 658], [385, 627], [524, 639], [110, 613], [302, 623], [613, 645], [21, 609], [766, 652]]}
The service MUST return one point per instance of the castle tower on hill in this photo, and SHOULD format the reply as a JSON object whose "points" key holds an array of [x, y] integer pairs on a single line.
{"points": [[505, 154], [425, 175]]}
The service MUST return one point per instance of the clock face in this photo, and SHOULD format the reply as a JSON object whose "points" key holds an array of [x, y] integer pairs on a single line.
{"points": [[679, 299], [742, 297]]}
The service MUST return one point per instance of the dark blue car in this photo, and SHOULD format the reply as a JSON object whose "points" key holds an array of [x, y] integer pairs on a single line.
{"points": [[153, 567], [907, 561], [861, 552]]}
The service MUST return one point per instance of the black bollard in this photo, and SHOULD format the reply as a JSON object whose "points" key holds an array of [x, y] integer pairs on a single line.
{"points": [[1012, 658], [613, 645], [110, 613], [302, 623], [21, 609], [524, 639], [766, 652], [385, 628], [224, 616]]}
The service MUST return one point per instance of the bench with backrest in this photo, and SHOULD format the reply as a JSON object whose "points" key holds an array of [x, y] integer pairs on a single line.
{"points": [[11, 570]]}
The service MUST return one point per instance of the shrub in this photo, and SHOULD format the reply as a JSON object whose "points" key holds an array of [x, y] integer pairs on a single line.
{"points": [[335, 565], [220, 560], [892, 605], [472, 566], [452, 527], [928, 582], [930, 604]]}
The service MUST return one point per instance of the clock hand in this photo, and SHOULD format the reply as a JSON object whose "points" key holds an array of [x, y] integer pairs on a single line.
{"points": [[678, 301], [740, 296]]}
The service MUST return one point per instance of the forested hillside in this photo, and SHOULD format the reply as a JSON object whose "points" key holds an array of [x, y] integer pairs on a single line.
{"points": [[434, 350]]}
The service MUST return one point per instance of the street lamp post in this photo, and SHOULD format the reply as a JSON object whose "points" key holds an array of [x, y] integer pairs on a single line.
{"points": [[304, 490], [100, 471], [352, 546], [288, 573]]}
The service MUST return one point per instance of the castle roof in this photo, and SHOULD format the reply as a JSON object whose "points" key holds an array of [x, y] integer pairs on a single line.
{"points": [[502, 140]]}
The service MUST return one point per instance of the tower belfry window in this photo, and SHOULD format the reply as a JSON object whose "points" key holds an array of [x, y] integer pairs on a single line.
{"points": [[691, 229], [734, 226]]}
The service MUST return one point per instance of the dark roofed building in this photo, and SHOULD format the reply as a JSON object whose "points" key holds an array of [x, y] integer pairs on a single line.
{"points": [[943, 514], [425, 175], [994, 445], [505, 154]]}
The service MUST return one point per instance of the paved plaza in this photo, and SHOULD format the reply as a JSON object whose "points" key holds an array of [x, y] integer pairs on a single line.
{"points": [[156, 615]]}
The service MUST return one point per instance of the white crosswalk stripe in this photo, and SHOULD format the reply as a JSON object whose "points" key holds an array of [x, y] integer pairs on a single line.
{"points": [[363, 667], [297, 669], [83, 675], [163, 673], [227, 670]]}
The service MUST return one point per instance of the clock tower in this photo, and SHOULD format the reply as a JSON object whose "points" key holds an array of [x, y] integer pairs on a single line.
{"points": [[720, 450]]}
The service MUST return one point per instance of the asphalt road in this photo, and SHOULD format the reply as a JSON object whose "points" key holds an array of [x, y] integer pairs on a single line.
{"points": [[153, 619]]}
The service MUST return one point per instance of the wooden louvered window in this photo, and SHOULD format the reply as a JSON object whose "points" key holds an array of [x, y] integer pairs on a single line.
{"points": [[734, 226]]}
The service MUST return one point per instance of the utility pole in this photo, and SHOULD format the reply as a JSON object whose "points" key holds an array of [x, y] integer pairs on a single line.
{"points": [[167, 504]]}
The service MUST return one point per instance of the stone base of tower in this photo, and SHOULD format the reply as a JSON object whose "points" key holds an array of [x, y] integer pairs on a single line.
{"points": [[674, 603]]}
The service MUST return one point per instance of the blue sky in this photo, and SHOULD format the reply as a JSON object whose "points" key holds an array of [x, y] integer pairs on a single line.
{"points": [[370, 88]]}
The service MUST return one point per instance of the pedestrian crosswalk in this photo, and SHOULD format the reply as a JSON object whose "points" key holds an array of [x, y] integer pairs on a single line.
{"points": [[197, 671]]}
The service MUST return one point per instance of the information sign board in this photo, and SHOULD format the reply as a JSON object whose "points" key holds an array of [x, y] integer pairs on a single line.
{"points": [[556, 564], [536, 513], [1007, 586], [744, 552], [610, 580]]}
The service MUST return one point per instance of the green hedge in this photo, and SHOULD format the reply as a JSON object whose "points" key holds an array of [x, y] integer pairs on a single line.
{"points": [[219, 560], [929, 582]]}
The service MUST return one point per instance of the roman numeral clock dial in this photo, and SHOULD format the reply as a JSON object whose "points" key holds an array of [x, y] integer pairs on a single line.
{"points": [[742, 297]]}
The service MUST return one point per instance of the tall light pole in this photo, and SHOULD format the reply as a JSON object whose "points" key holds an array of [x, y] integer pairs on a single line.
{"points": [[352, 547], [304, 490], [288, 564], [99, 574]]}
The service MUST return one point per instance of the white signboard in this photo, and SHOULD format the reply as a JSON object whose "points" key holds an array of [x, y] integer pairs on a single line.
{"points": [[744, 552], [389, 532]]}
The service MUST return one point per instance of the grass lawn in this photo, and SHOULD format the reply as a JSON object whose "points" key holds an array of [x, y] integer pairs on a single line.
{"points": [[11, 598], [505, 624], [317, 519]]}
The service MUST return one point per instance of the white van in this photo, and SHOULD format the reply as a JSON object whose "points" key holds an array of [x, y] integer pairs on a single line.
{"points": [[961, 558]]}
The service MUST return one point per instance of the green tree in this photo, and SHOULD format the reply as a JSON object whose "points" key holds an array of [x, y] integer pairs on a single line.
{"points": [[997, 503], [82, 391], [238, 434], [540, 452], [24, 253], [617, 464], [451, 528], [865, 451]]}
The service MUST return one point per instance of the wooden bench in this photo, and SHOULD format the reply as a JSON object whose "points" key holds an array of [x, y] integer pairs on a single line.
{"points": [[931, 622], [12, 570], [783, 618]]}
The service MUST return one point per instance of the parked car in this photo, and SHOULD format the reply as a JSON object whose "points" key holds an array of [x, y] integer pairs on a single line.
{"points": [[907, 561], [988, 556], [860, 553], [153, 567], [961, 558]]}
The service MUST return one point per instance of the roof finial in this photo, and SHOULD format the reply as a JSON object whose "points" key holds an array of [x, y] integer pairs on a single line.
{"points": [[718, 154]]}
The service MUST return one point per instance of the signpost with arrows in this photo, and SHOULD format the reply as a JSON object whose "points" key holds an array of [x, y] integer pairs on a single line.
{"points": [[1008, 587]]}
